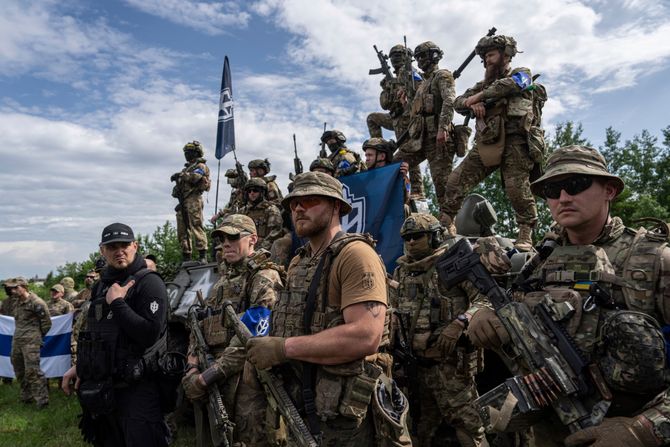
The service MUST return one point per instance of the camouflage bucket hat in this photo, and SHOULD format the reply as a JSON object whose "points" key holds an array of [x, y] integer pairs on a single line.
{"points": [[317, 184], [575, 160], [58, 288], [18, 281], [235, 224]]}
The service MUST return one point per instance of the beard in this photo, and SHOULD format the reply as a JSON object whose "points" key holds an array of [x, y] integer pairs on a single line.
{"points": [[308, 227], [494, 71]]}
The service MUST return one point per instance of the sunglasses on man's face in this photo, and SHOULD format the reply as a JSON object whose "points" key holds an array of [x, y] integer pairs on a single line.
{"points": [[255, 190], [572, 185], [90, 277], [413, 237], [305, 202], [232, 237]]}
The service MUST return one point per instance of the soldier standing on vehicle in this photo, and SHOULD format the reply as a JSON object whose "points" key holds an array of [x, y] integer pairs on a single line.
{"points": [[431, 321], [331, 317], [58, 305], [508, 136], [191, 182], [261, 168], [346, 162], [616, 324], [265, 215], [250, 281], [32, 322]]}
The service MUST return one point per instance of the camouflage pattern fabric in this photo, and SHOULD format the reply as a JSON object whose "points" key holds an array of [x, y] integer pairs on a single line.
{"points": [[7, 306], [516, 163], [83, 296], [346, 162], [70, 295], [32, 321], [60, 307], [194, 229], [269, 224], [274, 194], [79, 325], [432, 110]]}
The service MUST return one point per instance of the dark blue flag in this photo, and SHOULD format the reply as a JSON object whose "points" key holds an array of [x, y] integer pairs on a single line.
{"points": [[225, 131], [376, 197]]}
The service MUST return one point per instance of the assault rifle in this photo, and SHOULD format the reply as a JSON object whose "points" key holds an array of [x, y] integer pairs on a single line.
{"points": [[215, 406], [322, 152], [559, 376], [297, 163], [278, 398], [459, 70], [385, 69], [410, 88], [178, 193], [403, 355]]}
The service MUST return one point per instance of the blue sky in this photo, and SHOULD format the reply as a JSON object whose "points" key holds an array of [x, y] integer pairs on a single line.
{"points": [[98, 98]]}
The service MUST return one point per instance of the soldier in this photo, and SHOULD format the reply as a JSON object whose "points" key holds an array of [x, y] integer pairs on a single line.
{"points": [[617, 326], [322, 165], [58, 305], [191, 182], [430, 129], [68, 285], [236, 201], [32, 320], [431, 320], [379, 153], [250, 281], [80, 314], [346, 162], [8, 304], [265, 215], [395, 96], [261, 169], [329, 319], [506, 122]]}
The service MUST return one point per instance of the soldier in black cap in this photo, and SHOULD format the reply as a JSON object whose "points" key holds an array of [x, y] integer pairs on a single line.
{"points": [[117, 365]]}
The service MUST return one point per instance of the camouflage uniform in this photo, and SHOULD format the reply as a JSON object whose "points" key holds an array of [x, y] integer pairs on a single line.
{"points": [[60, 307], [191, 182], [510, 123], [8, 305], [68, 284], [33, 321], [432, 110], [253, 281], [444, 380], [265, 215], [274, 194], [346, 162]]}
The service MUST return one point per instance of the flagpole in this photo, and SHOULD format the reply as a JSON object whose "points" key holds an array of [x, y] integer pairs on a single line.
{"points": [[216, 201]]}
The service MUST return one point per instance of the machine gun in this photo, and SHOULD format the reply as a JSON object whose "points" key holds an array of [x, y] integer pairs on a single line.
{"points": [[278, 399], [559, 376], [383, 69], [297, 163], [459, 70], [322, 152], [215, 406]]}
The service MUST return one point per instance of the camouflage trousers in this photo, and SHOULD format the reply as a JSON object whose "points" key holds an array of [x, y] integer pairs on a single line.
{"points": [[194, 228], [440, 160], [515, 169], [446, 395], [26, 363]]}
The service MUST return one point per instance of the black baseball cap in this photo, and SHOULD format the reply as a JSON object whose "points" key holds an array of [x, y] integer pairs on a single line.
{"points": [[117, 232]]}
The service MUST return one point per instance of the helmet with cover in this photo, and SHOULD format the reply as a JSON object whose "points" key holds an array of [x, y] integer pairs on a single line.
{"points": [[427, 54], [260, 164], [423, 223], [322, 163], [506, 44], [193, 150]]}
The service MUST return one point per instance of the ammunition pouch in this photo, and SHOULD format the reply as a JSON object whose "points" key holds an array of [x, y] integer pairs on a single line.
{"points": [[389, 412], [345, 390], [537, 147], [97, 396], [631, 353], [490, 139], [461, 137], [493, 129]]}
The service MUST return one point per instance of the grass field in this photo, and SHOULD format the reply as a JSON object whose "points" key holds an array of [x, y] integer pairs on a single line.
{"points": [[23, 425]]}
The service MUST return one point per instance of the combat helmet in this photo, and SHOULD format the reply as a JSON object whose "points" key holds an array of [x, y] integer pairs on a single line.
{"points": [[258, 163], [429, 50], [322, 163], [423, 223], [337, 136], [231, 173], [194, 146], [398, 54], [256, 182], [381, 145], [506, 44]]}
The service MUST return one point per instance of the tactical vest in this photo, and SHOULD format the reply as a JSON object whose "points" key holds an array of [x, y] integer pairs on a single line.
{"points": [[274, 193], [259, 214], [340, 389], [188, 188]]}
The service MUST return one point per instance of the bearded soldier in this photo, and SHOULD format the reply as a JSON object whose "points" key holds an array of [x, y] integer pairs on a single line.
{"points": [[265, 215], [508, 136], [261, 169], [346, 162], [250, 281], [616, 280], [191, 182], [430, 129], [431, 320]]}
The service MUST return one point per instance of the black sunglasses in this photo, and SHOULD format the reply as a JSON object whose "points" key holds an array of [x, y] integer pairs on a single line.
{"points": [[573, 186], [254, 190], [413, 236]]}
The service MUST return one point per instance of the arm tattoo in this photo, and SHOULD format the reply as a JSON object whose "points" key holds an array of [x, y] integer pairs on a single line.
{"points": [[373, 308]]}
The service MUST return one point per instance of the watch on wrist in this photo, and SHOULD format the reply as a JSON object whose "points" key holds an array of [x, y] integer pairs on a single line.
{"points": [[463, 318]]}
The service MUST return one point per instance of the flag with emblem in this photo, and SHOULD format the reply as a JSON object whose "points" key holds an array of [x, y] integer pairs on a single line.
{"points": [[225, 131]]}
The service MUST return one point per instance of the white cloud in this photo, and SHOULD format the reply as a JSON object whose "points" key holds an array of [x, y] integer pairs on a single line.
{"points": [[208, 17]]}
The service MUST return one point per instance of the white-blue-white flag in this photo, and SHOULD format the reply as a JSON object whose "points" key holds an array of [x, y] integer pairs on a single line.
{"points": [[55, 355]]}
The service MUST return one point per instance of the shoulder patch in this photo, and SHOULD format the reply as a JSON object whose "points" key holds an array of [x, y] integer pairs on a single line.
{"points": [[153, 307], [368, 281], [522, 79]]}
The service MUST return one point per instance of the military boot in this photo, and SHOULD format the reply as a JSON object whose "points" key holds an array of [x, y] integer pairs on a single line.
{"points": [[524, 241], [448, 223], [185, 256], [202, 256]]}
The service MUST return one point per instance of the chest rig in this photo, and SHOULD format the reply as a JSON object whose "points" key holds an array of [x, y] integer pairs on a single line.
{"points": [[258, 214]]}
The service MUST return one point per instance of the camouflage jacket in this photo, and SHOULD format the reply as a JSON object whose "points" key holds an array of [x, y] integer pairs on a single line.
{"points": [[269, 224], [8, 305], [433, 104], [193, 179], [391, 89], [32, 319], [60, 307], [70, 295], [82, 296], [274, 195], [346, 162]]}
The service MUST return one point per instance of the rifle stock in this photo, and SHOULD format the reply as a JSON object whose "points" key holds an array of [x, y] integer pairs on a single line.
{"points": [[459, 70], [322, 152], [277, 396], [559, 376]]}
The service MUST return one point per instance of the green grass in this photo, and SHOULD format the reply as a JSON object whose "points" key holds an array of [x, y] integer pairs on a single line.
{"points": [[23, 425]]}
